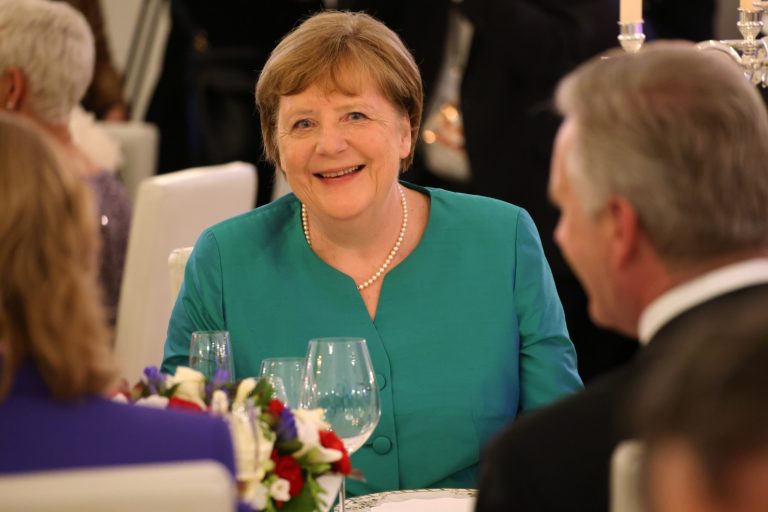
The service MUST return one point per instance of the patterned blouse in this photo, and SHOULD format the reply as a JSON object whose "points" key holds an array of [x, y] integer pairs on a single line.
{"points": [[114, 209]]}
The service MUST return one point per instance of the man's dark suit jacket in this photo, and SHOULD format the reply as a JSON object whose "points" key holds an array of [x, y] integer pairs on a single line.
{"points": [[558, 458]]}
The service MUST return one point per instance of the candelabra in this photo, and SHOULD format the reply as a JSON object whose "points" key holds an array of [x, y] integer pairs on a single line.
{"points": [[631, 36], [751, 52]]}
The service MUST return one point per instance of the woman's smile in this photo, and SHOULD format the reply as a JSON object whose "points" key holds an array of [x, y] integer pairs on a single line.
{"points": [[340, 173]]}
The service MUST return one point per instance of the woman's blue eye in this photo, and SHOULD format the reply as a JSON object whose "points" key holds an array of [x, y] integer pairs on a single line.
{"points": [[302, 123], [356, 116]]}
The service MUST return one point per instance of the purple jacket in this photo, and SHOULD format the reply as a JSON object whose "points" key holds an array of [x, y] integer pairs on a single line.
{"points": [[39, 433]]}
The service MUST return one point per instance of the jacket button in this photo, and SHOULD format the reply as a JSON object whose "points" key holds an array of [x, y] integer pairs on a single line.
{"points": [[381, 380], [382, 445]]}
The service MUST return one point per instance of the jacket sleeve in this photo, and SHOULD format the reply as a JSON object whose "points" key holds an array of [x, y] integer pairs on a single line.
{"points": [[547, 356], [200, 304]]}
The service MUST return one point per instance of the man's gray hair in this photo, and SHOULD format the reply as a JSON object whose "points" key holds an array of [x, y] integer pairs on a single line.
{"points": [[52, 44], [683, 136]]}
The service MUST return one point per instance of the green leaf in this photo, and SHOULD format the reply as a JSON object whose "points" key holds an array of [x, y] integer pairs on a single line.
{"points": [[319, 469], [289, 447], [270, 419], [262, 393], [171, 391], [305, 460], [139, 390], [308, 500]]}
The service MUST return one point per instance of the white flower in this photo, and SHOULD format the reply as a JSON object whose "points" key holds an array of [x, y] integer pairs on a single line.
{"points": [[243, 390], [279, 489], [322, 455], [153, 401], [256, 494], [244, 444], [219, 402], [191, 385], [314, 417], [264, 445], [308, 425], [120, 398]]}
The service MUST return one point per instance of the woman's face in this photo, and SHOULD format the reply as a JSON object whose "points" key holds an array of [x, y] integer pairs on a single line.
{"points": [[341, 153]]}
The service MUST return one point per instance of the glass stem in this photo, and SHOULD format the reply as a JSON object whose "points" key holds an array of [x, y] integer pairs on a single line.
{"points": [[342, 493]]}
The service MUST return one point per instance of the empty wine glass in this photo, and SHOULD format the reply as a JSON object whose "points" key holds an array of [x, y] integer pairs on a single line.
{"points": [[278, 388], [339, 378], [288, 370], [210, 353]]}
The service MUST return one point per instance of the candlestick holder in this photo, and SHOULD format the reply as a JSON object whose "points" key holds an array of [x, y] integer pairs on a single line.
{"points": [[750, 52], [631, 36]]}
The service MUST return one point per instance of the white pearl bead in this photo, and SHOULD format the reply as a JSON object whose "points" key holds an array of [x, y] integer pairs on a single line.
{"points": [[392, 253]]}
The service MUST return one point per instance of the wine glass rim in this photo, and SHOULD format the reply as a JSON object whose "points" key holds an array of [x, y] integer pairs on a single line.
{"points": [[338, 339], [212, 331]]}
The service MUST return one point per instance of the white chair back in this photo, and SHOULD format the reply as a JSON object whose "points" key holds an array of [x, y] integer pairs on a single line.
{"points": [[177, 263], [171, 211], [626, 478], [138, 143], [200, 486]]}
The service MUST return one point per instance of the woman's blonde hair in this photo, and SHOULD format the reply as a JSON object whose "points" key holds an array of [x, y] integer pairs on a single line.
{"points": [[321, 50], [50, 310]]}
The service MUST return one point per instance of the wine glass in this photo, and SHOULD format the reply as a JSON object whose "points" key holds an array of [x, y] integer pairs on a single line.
{"points": [[288, 370], [338, 378], [210, 353], [278, 388]]}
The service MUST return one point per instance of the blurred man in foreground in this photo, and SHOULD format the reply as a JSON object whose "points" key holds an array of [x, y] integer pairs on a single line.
{"points": [[703, 420], [659, 173]]}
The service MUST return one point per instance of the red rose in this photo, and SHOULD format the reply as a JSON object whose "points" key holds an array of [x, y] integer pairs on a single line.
{"points": [[276, 406], [330, 440], [286, 467], [178, 403]]}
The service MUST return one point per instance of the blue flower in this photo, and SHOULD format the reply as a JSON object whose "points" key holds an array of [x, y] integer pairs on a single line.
{"points": [[155, 379], [208, 390], [220, 378], [286, 430]]}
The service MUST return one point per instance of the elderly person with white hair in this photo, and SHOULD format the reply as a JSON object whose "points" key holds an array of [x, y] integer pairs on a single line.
{"points": [[46, 64]]}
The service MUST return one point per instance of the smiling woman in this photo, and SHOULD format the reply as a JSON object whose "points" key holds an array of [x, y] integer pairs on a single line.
{"points": [[341, 154], [451, 291], [335, 146]]}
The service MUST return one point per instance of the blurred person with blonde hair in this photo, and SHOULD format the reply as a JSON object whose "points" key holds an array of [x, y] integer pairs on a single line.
{"points": [[55, 356], [46, 65]]}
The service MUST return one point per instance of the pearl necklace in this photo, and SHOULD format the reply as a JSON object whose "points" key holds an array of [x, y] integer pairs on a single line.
{"points": [[383, 268]]}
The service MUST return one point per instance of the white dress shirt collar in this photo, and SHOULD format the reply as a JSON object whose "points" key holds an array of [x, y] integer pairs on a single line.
{"points": [[698, 290]]}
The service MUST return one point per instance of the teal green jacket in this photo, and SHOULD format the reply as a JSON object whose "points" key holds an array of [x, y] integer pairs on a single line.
{"points": [[469, 329]]}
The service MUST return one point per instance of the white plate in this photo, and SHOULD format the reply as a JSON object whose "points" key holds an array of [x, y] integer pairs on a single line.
{"points": [[445, 500]]}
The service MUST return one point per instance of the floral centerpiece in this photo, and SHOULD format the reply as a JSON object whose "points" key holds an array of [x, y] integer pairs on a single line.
{"points": [[280, 452]]}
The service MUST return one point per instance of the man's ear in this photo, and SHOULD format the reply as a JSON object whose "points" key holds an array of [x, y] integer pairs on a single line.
{"points": [[624, 226], [13, 84]]}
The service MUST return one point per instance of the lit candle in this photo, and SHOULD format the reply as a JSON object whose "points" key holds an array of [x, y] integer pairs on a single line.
{"points": [[746, 5], [632, 10]]}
